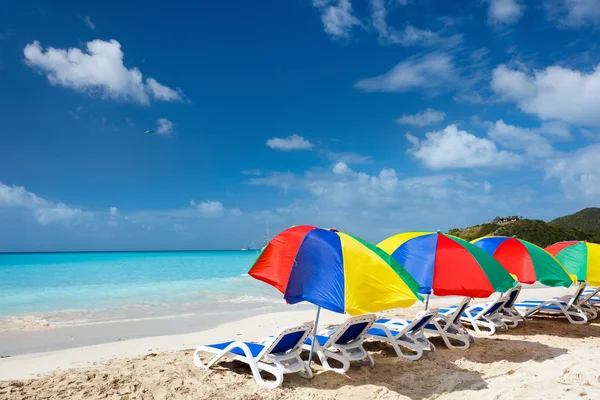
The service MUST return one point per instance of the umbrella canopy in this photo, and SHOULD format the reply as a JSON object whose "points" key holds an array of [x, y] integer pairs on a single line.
{"points": [[528, 262], [334, 270], [448, 266], [579, 258]]}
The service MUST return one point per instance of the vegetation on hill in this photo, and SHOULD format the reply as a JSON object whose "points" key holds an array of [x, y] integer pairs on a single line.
{"points": [[585, 220], [535, 231]]}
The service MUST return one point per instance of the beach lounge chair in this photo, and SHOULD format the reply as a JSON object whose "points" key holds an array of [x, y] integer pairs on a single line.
{"points": [[483, 318], [278, 356], [589, 302], [449, 327], [593, 297], [401, 333], [509, 314], [343, 343], [566, 306]]}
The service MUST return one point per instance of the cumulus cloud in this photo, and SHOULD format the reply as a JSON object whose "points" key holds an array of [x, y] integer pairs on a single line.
{"points": [[97, 70], [427, 71], [577, 172], [44, 211], [573, 13], [506, 12], [161, 92], [211, 208], [114, 211], [340, 168], [428, 117], [88, 21], [519, 138], [294, 142], [341, 193], [164, 127], [337, 17], [454, 148], [552, 93]]}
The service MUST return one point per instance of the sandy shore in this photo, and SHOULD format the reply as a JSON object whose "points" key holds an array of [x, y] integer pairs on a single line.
{"points": [[548, 358]]}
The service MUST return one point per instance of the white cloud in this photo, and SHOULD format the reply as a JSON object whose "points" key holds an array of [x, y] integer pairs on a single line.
{"points": [[192, 203], [211, 208], [253, 172], [338, 197], [281, 180], [98, 70], [577, 172], [557, 129], [410, 35], [428, 71], [88, 21], [574, 13], [487, 187], [113, 216], [337, 17], [340, 168], [293, 142], [161, 92], [44, 211], [348, 157], [518, 138], [552, 93], [453, 148], [164, 127], [236, 211], [505, 12], [428, 117]]}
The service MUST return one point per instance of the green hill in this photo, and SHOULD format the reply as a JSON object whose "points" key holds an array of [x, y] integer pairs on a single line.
{"points": [[535, 231], [585, 220]]}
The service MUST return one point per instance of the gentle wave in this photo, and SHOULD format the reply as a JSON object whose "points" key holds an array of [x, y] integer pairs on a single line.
{"points": [[251, 299]]}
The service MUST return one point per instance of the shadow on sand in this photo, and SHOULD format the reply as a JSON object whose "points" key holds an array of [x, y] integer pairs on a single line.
{"points": [[556, 326], [444, 371]]}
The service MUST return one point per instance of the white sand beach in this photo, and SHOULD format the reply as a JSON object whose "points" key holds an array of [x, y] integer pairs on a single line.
{"points": [[547, 358]]}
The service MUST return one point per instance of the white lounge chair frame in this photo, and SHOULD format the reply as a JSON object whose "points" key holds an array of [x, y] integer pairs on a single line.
{"points": [[275, 364], [449, 327], [566, 306], [410, 334], [509, 314], [343, 352], [483, 318]]}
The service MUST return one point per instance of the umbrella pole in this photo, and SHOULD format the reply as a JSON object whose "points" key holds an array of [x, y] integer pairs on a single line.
{"points": [[427, 302], [314, 338]]}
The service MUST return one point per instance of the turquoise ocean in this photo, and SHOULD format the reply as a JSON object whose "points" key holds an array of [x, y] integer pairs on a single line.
{"points": [[67, 287]]}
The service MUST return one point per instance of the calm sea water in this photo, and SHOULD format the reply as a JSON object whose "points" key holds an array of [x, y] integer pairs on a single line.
{"points": [[129, 283]]}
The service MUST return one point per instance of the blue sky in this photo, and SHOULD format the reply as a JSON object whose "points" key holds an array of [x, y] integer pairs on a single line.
{"points": [[371, 116]]}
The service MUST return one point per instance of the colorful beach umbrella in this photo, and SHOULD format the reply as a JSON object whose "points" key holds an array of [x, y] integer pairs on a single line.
{"points": [[528, 262], [445, 265], [334, 270], [579, 258]]}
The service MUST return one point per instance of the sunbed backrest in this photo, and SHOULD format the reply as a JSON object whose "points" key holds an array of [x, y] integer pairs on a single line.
{"points": [[289, 339], [421, 322], [578, 292], [288, 342], [459, 311], [495, 306], [352, 329], [589, 295], [512, 296]]}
